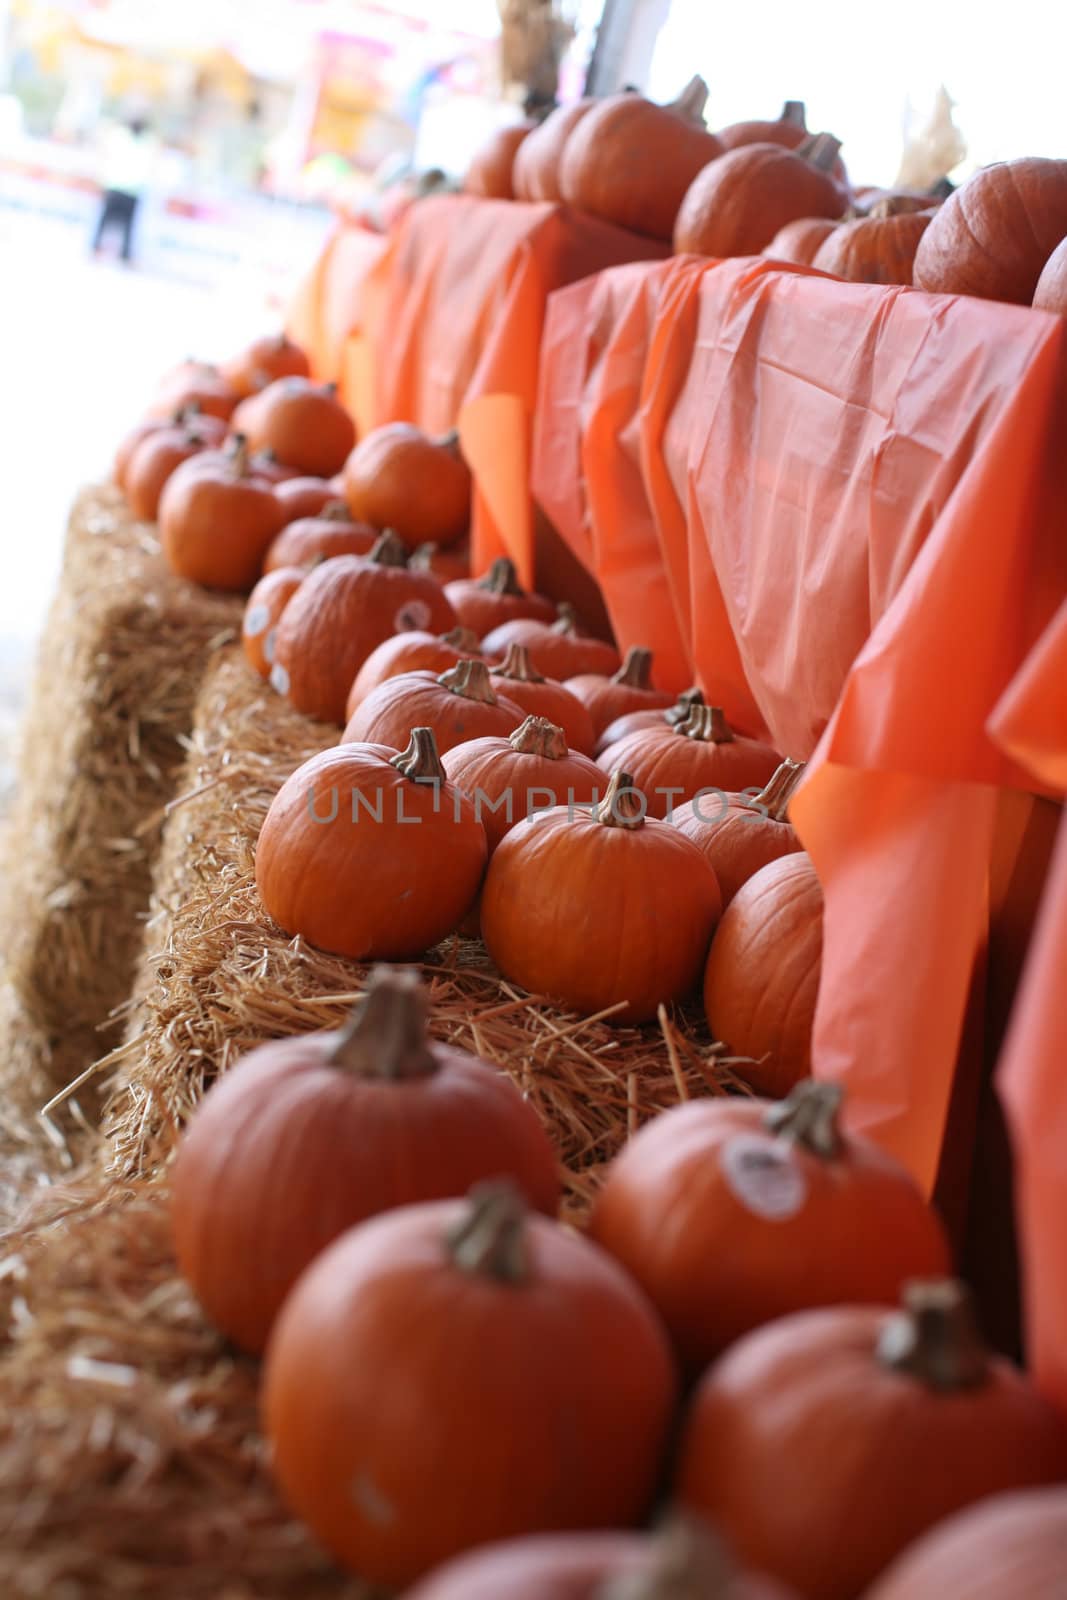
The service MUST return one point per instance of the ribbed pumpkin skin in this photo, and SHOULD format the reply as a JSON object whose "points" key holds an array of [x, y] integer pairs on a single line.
{"points": [[414, 651], [799, 242], [552, 700], [607, 701], [874, 249], [762, 977], [660, 759], [555, 655], [631, 162], [491, 768], [1009, 1547], [1051, 291], [318, 538], [535, 174], [736, 206], [993, 236], [263, 612], [736, 841], [492, 172], [417, 700]]}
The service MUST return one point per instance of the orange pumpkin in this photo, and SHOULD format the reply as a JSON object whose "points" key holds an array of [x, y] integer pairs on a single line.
{"points": [[264, 362], [993, 236], [331, 532], [1008, 1547], [414, 651], [369, 853], [458, 705], [879, 248], [161, 452], [535, 174], [265, 464], [198, 384], [730, 1213], [630, 689], [307, 1136], [538, 696], [263, 612], [303, 497], [740, 833], [799, 242], [1051, 291], [482, 604], [345, 610], [789, 130], [675, 761], [490, 173], [420, 488], [304, 423], [600, 909], [762, 977], [385, 1374], [826, 1442], [634, 721], [557, 649], [515, 777], [631, 162], [447, 566], [736, 206], [216, 520]]}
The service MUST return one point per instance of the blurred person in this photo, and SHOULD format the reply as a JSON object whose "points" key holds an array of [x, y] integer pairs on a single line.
{"points": [[128, 154]]}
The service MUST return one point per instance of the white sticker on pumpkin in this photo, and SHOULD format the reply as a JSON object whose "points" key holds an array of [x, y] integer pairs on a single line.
{"points": [[256, 619], [279, 678], [413, 616], [763, 1174]]}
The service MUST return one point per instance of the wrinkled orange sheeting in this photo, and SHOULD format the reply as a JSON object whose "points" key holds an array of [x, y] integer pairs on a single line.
{"points": [[853, 496], [326, 313]]}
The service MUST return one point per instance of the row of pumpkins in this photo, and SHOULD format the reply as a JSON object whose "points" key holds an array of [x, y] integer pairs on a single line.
{"points": [[772, 188]]}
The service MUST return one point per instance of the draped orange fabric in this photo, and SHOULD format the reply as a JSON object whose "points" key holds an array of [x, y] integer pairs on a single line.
{"points": [[326, 312]]}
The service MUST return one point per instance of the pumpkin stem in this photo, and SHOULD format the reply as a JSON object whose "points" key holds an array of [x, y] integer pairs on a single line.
{"points": [[238, 454], [421, 558], [795, 113], [935, 1337], [390, 551], [941, 189], [518, 666], [420, 761], [186, 414], [537, 736], [449, 441], [329, 388], [385, 1036], [471, 680], [462, 639], [688, 1561], [692, 100], [707, 724], [636, 670], [335, 511], [567, 620], [623, 805], [808, 1116], [683, 705], [821, 150], [490, 1239], [501, 578], [773, 799]]}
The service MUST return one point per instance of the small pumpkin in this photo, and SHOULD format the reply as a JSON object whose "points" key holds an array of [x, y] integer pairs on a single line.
{"points": [[265, 464], [993, 236], [348, 607], [824, 1443], [800, 241], [217, 520], [482, 604], [1051, 291], [517, 776], [458, 704], [878, 248], [308, 1136], [199, 384], [789, 130], [491, 171], [634, 721], [384, 1377], [558, 649], [420, 488], [731, 1212], [630, 689], [762, 977], [539, 696], [263, 612], [303, 497], [264, 361], [535, 174], [631, 162], [447, 565], [737, 205], [676, 761], [371, 853], [600, 909], [740, 833], [331, 532], [1008, 1547], [414, 651], [161, 452], [304, 423]]}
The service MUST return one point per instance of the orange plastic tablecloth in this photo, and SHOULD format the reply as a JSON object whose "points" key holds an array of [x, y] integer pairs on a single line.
{"points": [[327, 312]]}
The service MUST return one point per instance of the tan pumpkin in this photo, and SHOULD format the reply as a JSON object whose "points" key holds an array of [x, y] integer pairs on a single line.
{"points": [[538, 696], [420, 488], [634, 721], [799, 242], [559, 649], [993, 236], [535, 174], [740, 833], [515, 777], [737, 205], [879, 248], [1007, 1547], [482, 604], [674, 762], [630, 689], [1051, 291], [458, 704], [491, 172], [263, 612], [330, 532], [414, 651]]}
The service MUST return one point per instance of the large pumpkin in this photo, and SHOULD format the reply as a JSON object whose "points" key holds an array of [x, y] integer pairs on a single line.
{"points": [[304, 423], [672, 762], [264, 361], [762, 976], [463, 1371], [736, 206], [635, 721], [330, 532], [799, 242], [348, 607], [1009, 1547], [518, 678], [1051, 291], [515, 777], [600, 909], [535, 174], [993, 236], [491, 172], [369, 853], [420, 488], [874, 249], [558, 649], [631, 162], [263, 612], [482, 604], [459, 704], [629, 689], [826, 1442], [414, 651], [740, 833], [730, 1213], [217, 520], [307, 1136]]}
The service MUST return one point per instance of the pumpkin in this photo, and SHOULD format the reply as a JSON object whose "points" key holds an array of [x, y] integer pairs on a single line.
{"points": [[414, 651], [451, 1373], [369, 853], [789, 130], [993, 236], [736, 206], [307, 1136], [263, 362], [631, 162], [303, 497], [557, 649], [874, 249], [895, 202], [482, 604], [762, 977], [675, 761], [420, 488], [490, 173], [159, 453], [535, 174], [448, 566], [459, 704], [331, 532], [634, 721], [732, 1212], [199, 384], [263, 612], [304, 423], [630, 689], [345, 610], [1051, 291], [826, 1442], [538, 696], [1008, 1547], [740, 833], [600, 909], [799, 242], [216, 520], [265, 464], [515, 777]]}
